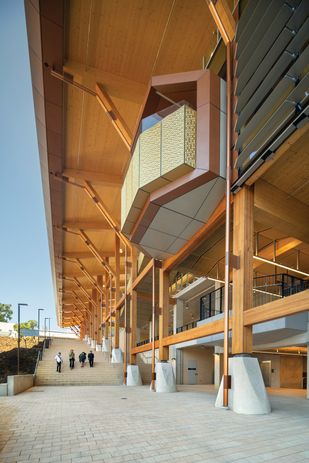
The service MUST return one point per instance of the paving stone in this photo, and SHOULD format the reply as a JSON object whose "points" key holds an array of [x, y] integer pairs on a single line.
{"points": [[83, 424]]}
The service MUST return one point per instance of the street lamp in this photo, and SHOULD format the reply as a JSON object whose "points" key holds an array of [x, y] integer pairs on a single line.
{"points": [[46, 318], [45, 326], [39, 310], [18, 339]]}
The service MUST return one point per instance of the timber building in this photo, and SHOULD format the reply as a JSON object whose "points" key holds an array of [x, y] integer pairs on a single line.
{"points": [[174, 149]]}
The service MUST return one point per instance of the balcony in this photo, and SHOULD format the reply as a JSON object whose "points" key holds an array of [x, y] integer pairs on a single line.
{"points": [[266, 289]]}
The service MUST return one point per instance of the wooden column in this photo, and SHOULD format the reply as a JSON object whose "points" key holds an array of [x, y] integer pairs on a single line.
{"points": [[243, 276], [99, 310], [82, 331], [163, 312], [110, 314], [133, 308], [90, 320], [117, 289], [94, 295], [153, 328], [107, 303]]}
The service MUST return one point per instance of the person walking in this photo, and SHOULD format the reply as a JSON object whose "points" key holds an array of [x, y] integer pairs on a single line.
{"points": [[82, 359], [91, 358], [71, 359], [59, 361]]}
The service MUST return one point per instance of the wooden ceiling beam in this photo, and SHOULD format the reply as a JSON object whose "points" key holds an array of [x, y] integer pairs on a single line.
{"points": [[90, 245], [86, 225], [117, 86], [105, 178], [282, 246], [91, 192], [81, 288], [223, 18], [102, 261], [277, 209], [86, 254], [83, 269], [111, 111]]}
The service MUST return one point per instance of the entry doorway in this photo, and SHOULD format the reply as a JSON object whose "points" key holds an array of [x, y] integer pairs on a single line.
{"points": [[266, 372], [192, 371]]}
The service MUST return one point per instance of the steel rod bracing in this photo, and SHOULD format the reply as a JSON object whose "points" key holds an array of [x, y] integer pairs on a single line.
{"points": [[153, 326], [125, 355], [227, 226]]}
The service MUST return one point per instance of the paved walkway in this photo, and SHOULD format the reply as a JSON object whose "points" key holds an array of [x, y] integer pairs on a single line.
{"points": [[82, 424]]}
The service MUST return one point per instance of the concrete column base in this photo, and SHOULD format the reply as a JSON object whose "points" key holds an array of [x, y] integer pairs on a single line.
{"points": [[248, 395], [117, 356], [89, 341], [105, 345], [85, 338], [93, 343], [133, 376], [98, 348], [165, 378]]}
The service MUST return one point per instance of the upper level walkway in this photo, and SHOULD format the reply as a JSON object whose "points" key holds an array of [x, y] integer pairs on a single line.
{"points": [[115, 424]]}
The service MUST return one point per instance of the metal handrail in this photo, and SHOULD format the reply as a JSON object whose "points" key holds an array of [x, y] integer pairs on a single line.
{"points": [[37, 361]]}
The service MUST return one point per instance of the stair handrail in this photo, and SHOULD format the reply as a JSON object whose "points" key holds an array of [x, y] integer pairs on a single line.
{"points": [[37, 362], [42, 351]]}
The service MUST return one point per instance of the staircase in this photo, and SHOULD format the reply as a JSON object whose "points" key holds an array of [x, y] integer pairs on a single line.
{"points": [[103, 372]]}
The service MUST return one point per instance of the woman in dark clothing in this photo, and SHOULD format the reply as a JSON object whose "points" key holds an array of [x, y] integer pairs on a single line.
{"points": [[71, 358], [82, 358]]}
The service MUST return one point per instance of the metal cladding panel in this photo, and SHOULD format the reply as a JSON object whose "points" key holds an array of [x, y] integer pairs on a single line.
{"points": [[150, 154], [269, 27], [281, 93], [255, 55], [267, 81], [164, 152], [272, 81], [190, 137], [173, 141], [282, 116]]}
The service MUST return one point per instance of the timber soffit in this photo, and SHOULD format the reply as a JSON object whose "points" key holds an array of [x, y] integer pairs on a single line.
{"points": [[51, 18], [45, 37]]}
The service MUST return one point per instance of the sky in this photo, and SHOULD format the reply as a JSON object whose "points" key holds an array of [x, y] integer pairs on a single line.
{"points": [[25, 272]]}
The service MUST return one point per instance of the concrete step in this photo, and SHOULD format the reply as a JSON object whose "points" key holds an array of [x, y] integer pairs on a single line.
{"points": [[103, 373]]}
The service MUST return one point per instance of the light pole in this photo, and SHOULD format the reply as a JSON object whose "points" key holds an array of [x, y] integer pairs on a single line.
{"points": [[18, 339], [49, 327], [46, 318], [39, 310]]}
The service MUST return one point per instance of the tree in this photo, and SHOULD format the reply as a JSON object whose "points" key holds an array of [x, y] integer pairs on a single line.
{"points": [[6, 313], [29, 325]]}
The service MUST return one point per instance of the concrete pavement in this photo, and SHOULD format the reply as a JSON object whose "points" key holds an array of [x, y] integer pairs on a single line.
{"points": [[83, 424]]}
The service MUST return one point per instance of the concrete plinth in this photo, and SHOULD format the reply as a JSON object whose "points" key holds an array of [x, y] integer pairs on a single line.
{"points": [[247, 395], [89, 341], [105, 345], [117, 356], [165, 378], [85, 338], [133, 376], [93, 343], [3, 389], [98, 348]]}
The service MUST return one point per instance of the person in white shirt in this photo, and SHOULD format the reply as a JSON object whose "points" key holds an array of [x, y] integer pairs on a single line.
{"points": [[59, 361]]}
